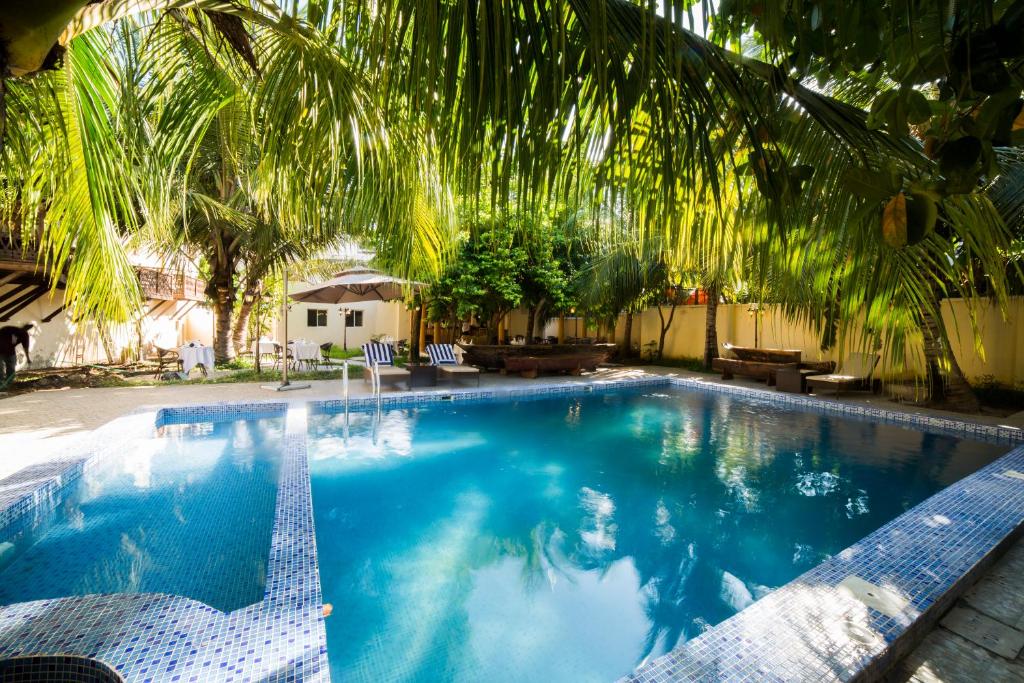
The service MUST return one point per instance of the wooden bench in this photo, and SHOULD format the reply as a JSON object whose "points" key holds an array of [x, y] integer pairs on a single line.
{"points": [[531, 366]]}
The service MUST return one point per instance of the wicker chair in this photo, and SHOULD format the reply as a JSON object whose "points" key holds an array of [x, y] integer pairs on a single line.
{"points": [[167, 359]]}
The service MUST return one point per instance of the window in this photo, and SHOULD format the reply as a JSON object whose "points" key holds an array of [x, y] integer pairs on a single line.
{"points": [[353, 318], [316, 317]]}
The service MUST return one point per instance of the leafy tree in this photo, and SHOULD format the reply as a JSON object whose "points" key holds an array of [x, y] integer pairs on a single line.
{"points": [[505, 263], [155, 132]]}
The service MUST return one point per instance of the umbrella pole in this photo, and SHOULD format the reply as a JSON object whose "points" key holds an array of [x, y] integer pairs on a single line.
{"points": [[285, 384]]}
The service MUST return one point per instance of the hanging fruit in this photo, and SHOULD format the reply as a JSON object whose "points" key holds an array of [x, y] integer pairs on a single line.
{"points": [[908, 218], [922, 213], [894, 221]]}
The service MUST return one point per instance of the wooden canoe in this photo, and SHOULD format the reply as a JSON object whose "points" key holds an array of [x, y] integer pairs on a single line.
{"points": [[530, 366], [749, 353], [493, 356]]}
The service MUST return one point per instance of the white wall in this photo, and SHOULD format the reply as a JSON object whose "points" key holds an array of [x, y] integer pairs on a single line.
{"points": [[62, 341], [379, 318]]}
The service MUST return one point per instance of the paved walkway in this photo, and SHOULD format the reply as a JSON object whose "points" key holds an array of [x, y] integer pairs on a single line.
{"points": [[979, 640]]}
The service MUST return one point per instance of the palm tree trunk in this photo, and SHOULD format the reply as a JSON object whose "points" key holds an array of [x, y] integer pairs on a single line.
{"points": [[711, 327], [241, 324], [106, 341], [539, 318], [952, 391], [223, 308], [414, 333]]}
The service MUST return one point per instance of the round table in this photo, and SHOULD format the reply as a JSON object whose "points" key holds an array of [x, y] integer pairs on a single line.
{"points": [[191, 356], [305, 352]]}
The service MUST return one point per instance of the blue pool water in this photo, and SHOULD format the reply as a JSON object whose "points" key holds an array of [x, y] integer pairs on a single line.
{"points": [[188, 511], [571, 539]]}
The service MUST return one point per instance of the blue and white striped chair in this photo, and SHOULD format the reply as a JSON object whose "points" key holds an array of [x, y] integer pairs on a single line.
{"points": [[380, 358], [443, 357]]}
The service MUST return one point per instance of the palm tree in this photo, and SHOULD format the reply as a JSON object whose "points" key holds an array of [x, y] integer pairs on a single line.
{"points": [[152, 131]]}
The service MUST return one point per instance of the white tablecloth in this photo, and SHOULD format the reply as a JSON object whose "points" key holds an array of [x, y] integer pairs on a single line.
{"points": [[192, 356], [305, 351], [263, 347]]}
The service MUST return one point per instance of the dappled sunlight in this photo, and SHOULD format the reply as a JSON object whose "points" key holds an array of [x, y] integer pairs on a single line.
{"points": [[597, 530]]}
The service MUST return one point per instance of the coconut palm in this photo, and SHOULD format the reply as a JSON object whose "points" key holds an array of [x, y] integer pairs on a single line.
{"points": [[187, 144]]}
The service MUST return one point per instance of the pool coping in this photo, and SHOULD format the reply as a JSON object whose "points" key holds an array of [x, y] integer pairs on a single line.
{"points": [[766, 641]]}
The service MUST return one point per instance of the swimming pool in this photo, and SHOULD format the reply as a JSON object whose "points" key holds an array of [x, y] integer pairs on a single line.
{"points": [[576, 537], [185, 510]]}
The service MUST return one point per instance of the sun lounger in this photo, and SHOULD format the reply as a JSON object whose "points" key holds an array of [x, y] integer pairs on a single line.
{"points": [[854, 373], [380, 358], [442, 356]]}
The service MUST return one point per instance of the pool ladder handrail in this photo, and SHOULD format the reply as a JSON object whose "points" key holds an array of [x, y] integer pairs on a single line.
{"points": [[375, 384]]}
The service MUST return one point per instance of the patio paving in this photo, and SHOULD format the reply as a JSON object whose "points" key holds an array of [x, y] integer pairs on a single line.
{"points": [[981, 638]]}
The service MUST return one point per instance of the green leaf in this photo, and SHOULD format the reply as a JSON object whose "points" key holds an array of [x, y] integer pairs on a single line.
{"points": [[918, 109]]}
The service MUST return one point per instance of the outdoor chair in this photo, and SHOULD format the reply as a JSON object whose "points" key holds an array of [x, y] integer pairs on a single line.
{"points": [[380, 359], [325, 353], [442, 356], [281, 353], [854, 373], [167, 359]]}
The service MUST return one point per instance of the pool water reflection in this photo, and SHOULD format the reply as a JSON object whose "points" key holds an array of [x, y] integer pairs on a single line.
{"points": [[572, 539]]}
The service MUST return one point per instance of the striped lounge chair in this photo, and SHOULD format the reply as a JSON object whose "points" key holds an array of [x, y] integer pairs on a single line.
{"points": [[443, 357], [380, 358]]}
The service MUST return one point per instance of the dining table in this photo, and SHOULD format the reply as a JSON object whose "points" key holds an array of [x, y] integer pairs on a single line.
{"points": [[305, 353], [263, 347], [193, 355]]}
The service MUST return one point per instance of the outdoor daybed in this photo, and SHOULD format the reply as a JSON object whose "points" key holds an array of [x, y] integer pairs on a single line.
{"points": [[442, 356], [380, 359], [762, 364], [855, 373]]}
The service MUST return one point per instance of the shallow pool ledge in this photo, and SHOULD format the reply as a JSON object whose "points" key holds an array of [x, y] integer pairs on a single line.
{"points": [[855, 615]]}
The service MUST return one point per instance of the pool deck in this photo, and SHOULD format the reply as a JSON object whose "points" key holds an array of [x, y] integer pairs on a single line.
{"points": [[981, 638], [42, 430]]}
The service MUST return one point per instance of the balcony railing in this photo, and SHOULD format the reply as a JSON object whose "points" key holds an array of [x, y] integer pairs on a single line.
{"points": [[159, 284]]}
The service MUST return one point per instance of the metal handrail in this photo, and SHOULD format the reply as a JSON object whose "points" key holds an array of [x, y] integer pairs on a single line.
{"points": [[376, 384]]}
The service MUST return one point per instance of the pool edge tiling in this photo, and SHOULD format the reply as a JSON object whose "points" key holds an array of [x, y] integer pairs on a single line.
{"points": [[158, 637], [809, 629]]}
